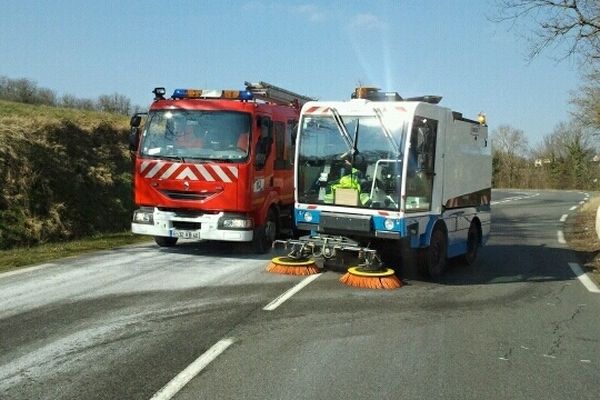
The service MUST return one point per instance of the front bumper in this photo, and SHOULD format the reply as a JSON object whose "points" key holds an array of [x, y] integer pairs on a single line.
{"points": [[186, 225]]}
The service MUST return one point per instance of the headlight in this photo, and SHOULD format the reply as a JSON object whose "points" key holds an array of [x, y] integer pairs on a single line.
{"points": [[235, 223], [143, 217], [389, 224], [308, 216]]}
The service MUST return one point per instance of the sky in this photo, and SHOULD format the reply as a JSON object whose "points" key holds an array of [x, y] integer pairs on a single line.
{"points": [[322, 49]]}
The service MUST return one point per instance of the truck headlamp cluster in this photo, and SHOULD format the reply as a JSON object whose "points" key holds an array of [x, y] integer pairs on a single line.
{"points": [[212, 94], [142, 216], [308, 217], [235, 222], [389, 224]]}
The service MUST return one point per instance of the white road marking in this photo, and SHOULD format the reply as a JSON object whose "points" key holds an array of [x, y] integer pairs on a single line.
{"points": [[583, 278], [25, 270], [564, 217], [177, 383], [508, 199], [582, 202], [283, 297], [572, 208], [561, 237]]}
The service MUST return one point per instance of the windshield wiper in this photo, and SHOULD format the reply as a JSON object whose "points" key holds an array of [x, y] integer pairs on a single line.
{"points": [[387, 133], [164, 157], [341, 127]]}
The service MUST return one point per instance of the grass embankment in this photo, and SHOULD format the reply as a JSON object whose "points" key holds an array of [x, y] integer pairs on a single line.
{"points": [[65, 175], [580, 233], [25, 256]]}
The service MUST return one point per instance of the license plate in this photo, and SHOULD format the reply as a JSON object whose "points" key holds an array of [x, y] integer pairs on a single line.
{"points": [[187, 234]]}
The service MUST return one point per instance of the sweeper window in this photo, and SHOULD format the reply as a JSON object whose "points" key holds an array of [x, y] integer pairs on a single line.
{"points": [[349, 160]]}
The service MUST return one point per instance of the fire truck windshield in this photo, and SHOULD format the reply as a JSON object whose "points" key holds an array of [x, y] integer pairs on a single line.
{"points": [[357, 165], [197, 135]]}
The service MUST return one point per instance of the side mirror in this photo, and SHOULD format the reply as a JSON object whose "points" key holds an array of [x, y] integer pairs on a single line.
{"points": [[134, 138], [134, 135], [135, 121]]}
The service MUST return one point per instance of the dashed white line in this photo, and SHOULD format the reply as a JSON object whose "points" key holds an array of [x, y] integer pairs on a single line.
{"points": [[283, 297], [564, 217], [508, 199], [177, 383], [583, 278], [572, 208], [561, 237]]}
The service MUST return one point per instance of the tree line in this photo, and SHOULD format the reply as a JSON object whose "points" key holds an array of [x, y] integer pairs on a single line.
{"points": [[569, 156], [28, 92]]}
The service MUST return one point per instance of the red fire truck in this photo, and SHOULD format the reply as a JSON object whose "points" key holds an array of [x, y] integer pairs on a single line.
{"points": [[215, 164]]}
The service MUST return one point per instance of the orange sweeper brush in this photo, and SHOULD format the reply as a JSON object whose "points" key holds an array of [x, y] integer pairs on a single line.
{"points": [[293, 266], [371, 279]]}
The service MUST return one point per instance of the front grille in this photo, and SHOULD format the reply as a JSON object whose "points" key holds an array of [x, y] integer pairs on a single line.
{"points": [[186, 226], [331, 222], [181, 195]]}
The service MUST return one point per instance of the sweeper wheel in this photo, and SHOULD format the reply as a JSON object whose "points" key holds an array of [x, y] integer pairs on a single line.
{"points": [[293, 266], [371, 279]]}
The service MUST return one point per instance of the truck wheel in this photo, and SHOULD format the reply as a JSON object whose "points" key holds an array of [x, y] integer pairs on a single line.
{"points": [[434, 259], [472, 244], [164, 241], [265, 235]]}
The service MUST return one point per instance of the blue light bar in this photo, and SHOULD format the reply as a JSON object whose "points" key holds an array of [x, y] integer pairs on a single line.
{"points": [[212, 94], [179, 94], [246, 95]]}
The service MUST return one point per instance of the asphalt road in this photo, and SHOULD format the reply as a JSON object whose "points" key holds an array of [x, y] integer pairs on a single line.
{"points": [[122, 324]]}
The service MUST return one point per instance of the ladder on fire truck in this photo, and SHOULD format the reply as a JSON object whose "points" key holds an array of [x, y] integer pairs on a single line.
{"points": [[273, 94]]}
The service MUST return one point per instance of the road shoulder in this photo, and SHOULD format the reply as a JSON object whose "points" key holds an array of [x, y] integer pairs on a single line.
{"points": [[581, 236]]}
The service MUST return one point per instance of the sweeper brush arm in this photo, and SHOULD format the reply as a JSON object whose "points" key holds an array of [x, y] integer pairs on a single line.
{"points": [[327, 247]]}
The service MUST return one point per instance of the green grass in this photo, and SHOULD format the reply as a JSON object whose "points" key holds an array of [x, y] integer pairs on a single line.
{"points": [[27, 256], [49, 113]]}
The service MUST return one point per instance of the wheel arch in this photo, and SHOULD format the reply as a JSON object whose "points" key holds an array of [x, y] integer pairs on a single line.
{"points": [[477, 223], [434, 224]]}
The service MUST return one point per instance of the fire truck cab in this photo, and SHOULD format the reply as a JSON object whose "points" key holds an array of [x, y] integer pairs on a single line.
{"points": [[215, 164]]}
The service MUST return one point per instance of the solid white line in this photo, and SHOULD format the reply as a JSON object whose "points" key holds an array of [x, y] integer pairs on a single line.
{"points": [[283, 297], [561, 237], [564, 217], [583, 278], [25, 270], [572, 208], [177, 383]]}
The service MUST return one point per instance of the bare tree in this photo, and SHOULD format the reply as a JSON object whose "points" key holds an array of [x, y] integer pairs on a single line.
{"points": [[568, 153], [587, 101], [510, 140], [114, 103], [573, 22], [510, 147]]}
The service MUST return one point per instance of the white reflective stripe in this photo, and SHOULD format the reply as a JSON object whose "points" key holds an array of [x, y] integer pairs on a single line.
{"points": [[155, 169], [145, 165], [170, 171], [234, 171], [221, 173], [205, 174], [187, 173]]}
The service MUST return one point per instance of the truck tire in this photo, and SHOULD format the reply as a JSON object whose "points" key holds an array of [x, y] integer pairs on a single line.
{"points": [[164, 241], [473, 242], [265, 235], [433, 261]]}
